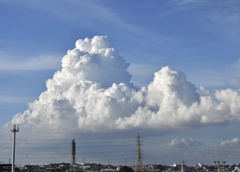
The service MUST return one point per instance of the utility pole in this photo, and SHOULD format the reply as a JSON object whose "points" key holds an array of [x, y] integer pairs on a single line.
{"points": [[139, 167], [14, 130]]}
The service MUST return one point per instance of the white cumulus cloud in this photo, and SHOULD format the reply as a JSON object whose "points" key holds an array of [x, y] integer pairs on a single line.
{"points": [[231, 143], [93, 92], [186, 143]]}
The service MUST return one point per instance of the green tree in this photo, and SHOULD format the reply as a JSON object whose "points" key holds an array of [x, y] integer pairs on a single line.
{"points": [[126, 169]]}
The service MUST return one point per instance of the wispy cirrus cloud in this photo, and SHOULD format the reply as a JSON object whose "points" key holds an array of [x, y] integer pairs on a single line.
{"points": [[92, 14], [82, 12], [222, 13], [187, 2]]}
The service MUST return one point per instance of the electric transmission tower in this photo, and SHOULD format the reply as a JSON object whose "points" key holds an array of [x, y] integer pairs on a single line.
{"points": [[139, 167], [73, 153], [14, 130]]}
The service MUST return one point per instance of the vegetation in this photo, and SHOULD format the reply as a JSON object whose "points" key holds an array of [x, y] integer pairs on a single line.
{"points": [[126, 169]]}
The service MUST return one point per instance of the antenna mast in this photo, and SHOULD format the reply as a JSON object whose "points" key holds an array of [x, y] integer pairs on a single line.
{"points": [[14, 130], [138, 167]]}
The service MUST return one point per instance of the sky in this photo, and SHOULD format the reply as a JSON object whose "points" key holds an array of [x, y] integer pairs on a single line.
{"points": [[99, 70]]}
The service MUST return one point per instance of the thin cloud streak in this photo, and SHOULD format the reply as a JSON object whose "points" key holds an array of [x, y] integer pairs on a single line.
{"points": [[43, 62], [14, 100]]}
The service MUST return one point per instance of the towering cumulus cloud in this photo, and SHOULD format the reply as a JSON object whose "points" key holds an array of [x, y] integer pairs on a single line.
{"points": [[93, 92]]}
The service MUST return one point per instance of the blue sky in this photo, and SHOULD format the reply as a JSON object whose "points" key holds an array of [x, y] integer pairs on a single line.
{"points": [[197, 37]]}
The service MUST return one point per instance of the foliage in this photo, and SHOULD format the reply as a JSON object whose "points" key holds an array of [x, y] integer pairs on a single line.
{"points": [[125, 169]]}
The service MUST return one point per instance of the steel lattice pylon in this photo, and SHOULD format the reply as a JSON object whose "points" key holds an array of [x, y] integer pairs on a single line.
{"points": [[73, 152], [139, 167]]}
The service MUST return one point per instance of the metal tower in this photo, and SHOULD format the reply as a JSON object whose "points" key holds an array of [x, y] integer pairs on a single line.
{"points": [[138, 167], [182, 165], [14, 130], [73, 152], [218, 166]]}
